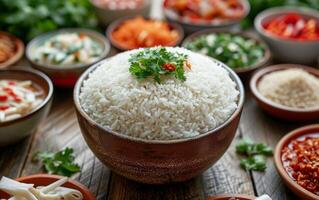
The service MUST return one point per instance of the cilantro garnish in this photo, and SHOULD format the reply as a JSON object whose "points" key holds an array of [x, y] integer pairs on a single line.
{"points": [[157, 62], [60, 163], [255, 154]]}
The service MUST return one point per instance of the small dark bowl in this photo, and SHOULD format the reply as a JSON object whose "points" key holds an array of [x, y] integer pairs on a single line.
{"points": [[113, 26], [18, 54], [157, 161], [67, 75], [190, 27], [277, 110], [245, 72], [15, 130], [46, 179], [297, 189], [231, 196]]}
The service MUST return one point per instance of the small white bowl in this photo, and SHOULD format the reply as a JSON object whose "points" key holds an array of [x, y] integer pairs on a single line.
{"points": [[288, 50]]}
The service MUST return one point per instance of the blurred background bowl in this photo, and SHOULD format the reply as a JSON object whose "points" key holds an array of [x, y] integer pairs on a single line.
{"points": [[106, 15], [65, 76], [18, 53], [190, 27], [288, 50], [157, 161], [15, 130]]}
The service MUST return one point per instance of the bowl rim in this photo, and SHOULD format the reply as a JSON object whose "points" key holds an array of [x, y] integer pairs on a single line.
{"points": [[115, 24], [94, 34], [254, 81], [242, 196], [18, 54], [79, 109], [146, 3], [278, 162], [48, 97], [248, 35], [282, 11], [57, 177], [167, 14]]}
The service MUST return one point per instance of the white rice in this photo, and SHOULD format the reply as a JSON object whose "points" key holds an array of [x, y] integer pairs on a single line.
{"points": [[115, 99]]}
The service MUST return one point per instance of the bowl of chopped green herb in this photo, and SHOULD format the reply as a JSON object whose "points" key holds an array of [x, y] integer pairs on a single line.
{"points": [[242, 52]]}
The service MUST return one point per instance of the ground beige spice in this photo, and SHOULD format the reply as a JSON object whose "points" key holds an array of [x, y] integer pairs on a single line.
{"points": [[293, 87]]}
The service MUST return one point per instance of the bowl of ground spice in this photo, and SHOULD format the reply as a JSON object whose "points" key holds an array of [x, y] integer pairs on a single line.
{"points": [[287, 91]]}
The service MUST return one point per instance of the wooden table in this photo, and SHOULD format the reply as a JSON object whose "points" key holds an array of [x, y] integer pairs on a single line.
{"points": [[61, 130]]}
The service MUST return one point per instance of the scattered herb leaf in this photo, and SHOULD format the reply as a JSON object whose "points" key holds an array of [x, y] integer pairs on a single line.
{"points": [[60, 163], [156, 62], [254, 154]]}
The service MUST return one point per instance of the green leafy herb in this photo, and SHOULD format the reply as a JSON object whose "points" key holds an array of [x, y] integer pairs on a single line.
{"points": [[60, 163], [254, 154], [157, 62]]}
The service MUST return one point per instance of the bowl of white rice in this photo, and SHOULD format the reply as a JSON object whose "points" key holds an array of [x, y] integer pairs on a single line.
{"points": [[159, 131]]}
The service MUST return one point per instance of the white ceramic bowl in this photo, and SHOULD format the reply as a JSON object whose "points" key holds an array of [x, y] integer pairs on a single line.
{"points": [[288, 50]]}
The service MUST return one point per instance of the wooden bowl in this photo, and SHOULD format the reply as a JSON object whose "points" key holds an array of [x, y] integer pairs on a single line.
{"points": [[67, 75], [297, 189], [277, 110], [46, 179], [157, 161], [231, 196], [245, 72], [15, 130], [18, 54], [113, 26]]}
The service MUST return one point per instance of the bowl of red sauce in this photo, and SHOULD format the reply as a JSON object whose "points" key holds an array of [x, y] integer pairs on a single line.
{"points": [[291, 33], [108, 11], [297, 161], [196, 15]]}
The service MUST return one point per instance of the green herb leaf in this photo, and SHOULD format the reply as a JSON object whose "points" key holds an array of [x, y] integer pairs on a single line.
{"points": [[156, 63], [60, 163], [256, 163]]}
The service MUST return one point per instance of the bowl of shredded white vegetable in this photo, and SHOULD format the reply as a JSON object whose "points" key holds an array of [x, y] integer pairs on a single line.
{"points": [[65, 54]]}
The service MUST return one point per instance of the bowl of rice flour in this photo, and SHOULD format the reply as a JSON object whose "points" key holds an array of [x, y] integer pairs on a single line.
{"points": [[159, 115]]}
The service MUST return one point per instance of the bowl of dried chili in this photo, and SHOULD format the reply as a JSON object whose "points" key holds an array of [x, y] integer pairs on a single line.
{"points": [[297, 161], [291, 33]]}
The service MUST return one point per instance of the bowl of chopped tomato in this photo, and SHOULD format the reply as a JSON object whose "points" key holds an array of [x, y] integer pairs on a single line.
{"points": [[297, 161], [138, 32], [195, 15], [291, 33]]}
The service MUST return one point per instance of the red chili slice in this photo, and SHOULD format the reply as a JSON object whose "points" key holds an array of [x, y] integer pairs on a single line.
{"points": [[3, 98], [169, 67]]}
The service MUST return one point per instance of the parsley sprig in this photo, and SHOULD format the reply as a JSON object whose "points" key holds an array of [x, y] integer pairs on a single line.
{"points": [[60, 163], [156, 62], [255, 154]]}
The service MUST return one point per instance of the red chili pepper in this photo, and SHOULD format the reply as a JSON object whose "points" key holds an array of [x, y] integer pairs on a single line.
{"points": [[3, 98], [2, 108], [169, 67], [11, 83]]}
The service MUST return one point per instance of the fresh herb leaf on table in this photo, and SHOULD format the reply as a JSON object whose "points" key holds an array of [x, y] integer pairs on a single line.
{"points": [[156, 62], [255, 154], [60, 163]]}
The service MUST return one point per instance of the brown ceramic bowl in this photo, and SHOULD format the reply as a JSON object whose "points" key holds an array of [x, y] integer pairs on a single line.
{"points": [[46, 179], [113, 26], [67, 75], [297, 189], [245, 72], [157, 161], [18, 53], [15, 130], [231, 196], [277, 110]]}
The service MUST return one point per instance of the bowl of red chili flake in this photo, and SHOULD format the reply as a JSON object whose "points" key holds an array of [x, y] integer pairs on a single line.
{"points": [[297, 161], [291, 33]]}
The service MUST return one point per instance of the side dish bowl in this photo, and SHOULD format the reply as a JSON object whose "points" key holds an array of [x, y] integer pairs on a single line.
{"points": [[114, 25], [17, 129], [288, 50], [245, 72], [67, 75], [297, 189], [46, 179], [18, 53], [191, 27], [157, 161], [277, 110], [107, 15]]}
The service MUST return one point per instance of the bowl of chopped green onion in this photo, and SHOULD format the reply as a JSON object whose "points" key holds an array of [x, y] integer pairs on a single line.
{"points": [[242, 52]]}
